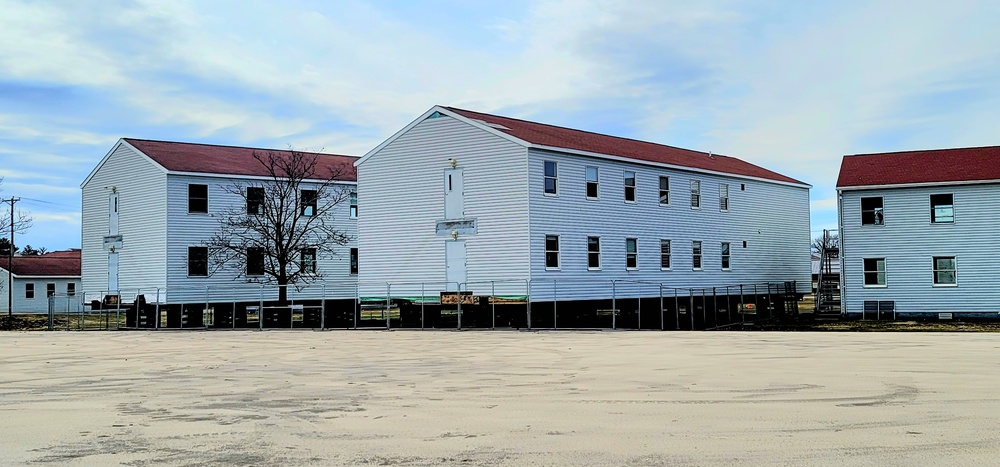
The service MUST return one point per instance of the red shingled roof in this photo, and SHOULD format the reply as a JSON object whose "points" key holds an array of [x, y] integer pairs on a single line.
{"points": [[230, 160], [57, 263], [930, 166], [566, 138]]}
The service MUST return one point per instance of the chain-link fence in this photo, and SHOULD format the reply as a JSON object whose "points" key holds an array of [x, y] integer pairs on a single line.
{"points": [[489, 304]]}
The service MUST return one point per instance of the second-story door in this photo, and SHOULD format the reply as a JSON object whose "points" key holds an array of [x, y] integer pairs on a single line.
{"points": [[454, 201]]}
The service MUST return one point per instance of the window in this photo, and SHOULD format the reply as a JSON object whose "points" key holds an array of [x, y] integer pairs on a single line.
{"points": [[255, 261], [696, 255], [255, 200], [695, 194], [354, 205], [874, 272], [197, 198], [307, 260], [744, 243], [29, 290], [593, 180], [593, 252], [726, 264], [629, 186], [743, 187], [308, 202], [664, 254], [551, 178], [664, 190], [871, 211], [197, 261], [631, 253], [945, 271], [50, 289], [879, 307], [71, 289], [723, 197], [354, 261], [942, 209], [551, 252]]}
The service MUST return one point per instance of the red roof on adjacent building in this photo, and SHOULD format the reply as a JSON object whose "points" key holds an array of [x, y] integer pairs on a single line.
{"points": [[56, 263], [929, 166], [566, 138], [232, 160]]}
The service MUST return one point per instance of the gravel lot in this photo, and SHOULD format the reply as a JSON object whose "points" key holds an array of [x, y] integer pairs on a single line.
{"points": [[499, 398]]}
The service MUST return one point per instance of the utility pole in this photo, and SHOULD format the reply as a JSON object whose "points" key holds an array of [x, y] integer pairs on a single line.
{"points": [[10, 263]]}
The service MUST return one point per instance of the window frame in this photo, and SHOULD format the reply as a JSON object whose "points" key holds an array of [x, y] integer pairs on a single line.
{"points": [[865, 272], [876, 212], [260, 259], [556, 252], [254, 204], [308, 254], [629, 190], [667, 255], [353, 200], [191, 264], [192, 197], [50, 289], [695, 194], [726, 256], [697, 256], [932, 210], [554, 177], [664, 192], [29, 290], [634, 255], [935, 270], [723, 197], [306, 202], [354, 259], [596, 182], [71, 289], [594, 253]]}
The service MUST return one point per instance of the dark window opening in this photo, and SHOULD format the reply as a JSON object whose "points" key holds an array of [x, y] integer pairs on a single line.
{"points": [[594, 252], [198, 261], [354, 201], [874, 271], [551, 251], [50, 289], [871, 211], [198, 198], [665, 254], [307, 261], [354, 260], [696, 255], [29, 290], [255, 200], [551, 178], [593, 180], [726, 263], [629, 186], [255, 261], [631, 253], [664, 190], [308, 202], [942, 209], [71, 289]]}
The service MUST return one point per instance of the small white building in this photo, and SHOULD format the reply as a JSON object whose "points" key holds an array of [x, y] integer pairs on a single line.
{"points": [[918, 232], [493, 203], [36, 278], [150, 206]]}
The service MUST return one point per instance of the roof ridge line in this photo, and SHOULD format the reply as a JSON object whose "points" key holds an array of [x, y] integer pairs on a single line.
{"points": [[236, 147]]}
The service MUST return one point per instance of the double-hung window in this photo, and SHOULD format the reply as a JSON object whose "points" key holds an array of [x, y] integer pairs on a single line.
{"points": [[308, 202], [197, 261], [71, 289], [874, 272], [631, 253], [551, 178], [307, 261], [354, 205], [664, 190], [551, 252], [197, 198], [50, 289], [594, 253], [726, 258], [629, 186], [871, 211], [696, 255], [945, 270], [695, 194], [664, 254], [942, 209], [723, 197], [29, 290], [255, 200], [593, 182], [354, 261]]}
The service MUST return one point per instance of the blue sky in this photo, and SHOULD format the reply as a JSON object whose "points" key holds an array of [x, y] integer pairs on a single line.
{"points": [[791, 86]]}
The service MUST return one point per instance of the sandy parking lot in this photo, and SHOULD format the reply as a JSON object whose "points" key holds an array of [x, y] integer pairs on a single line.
{"points": [[499, 398]]}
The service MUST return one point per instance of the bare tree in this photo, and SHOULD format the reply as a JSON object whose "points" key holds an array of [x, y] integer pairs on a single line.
{"points": [[829, 242], [284, 225]]}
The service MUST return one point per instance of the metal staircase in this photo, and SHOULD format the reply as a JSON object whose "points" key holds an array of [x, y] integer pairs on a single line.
{"points": [[828, 282]]}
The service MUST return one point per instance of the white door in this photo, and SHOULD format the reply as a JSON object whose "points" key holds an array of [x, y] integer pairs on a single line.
{"points": [[113, 271], [454, 259], [454, 203]]}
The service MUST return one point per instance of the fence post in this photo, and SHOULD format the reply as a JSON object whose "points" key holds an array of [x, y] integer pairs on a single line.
{"points": [[493, 298], [638, 310], [322, 309], [555, 302], [260, 309], [388, 293], [691, 306], [423, 298], [357, 303], [743, 316], [459, 296], [662, 326], [614, 305], [527, 285], [770, 304]]}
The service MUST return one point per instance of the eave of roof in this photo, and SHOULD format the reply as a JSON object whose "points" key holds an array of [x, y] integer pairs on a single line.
{"points": [[934, 167]]}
